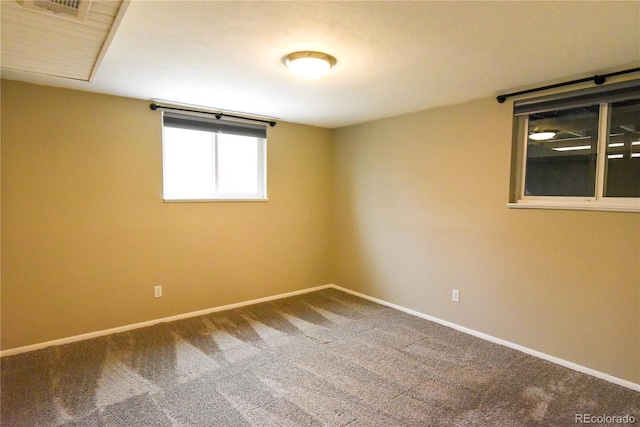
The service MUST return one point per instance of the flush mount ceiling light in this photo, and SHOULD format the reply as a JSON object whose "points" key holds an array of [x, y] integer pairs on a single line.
{"points": [[543, 135], [309, 65]]}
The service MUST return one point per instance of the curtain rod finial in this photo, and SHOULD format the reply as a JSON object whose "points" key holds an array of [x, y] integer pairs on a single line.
{"points": [[154, 107], [501, 98]]}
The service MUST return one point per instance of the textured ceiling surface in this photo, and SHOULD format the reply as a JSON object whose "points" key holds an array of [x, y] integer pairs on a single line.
{"points": [[393, 57]]}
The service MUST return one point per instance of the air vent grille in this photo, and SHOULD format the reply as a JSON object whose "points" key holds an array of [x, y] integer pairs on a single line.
{"points": [[73, 8], [68, 3]]}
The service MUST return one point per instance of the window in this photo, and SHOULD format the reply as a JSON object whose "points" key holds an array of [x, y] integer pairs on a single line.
{"points": [[209, 159], [579, 150]]}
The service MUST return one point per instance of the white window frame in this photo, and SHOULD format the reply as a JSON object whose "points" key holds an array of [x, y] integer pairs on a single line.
{"points": [[598, 202], [217, 196]]}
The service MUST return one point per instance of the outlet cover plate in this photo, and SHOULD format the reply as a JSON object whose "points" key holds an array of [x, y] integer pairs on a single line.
{"points": [[455, 295]]}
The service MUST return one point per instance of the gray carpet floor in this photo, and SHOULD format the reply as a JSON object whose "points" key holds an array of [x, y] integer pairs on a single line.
{"points": [[325, 358]]}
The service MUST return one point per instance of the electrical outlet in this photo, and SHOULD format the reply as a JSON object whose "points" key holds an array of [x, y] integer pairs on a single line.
{"points": [[157, 291], [455, 295]]}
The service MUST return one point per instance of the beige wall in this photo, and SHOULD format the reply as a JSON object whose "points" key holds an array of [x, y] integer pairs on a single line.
{"points": [[86, 236], [414, 206], [420, 208]]}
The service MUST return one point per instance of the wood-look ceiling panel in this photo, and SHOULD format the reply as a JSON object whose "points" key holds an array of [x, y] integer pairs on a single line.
{"points": [[38, 41]]}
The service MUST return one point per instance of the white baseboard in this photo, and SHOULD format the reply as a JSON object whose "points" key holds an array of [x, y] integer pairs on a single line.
{"points": [[535, 353], [75, 338]]}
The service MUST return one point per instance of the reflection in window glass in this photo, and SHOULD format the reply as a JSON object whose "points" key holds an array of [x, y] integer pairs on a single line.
{"points": [[562, 153], [622, 171]]}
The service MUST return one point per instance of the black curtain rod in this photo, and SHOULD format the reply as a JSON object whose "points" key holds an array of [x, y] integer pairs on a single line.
{"points": [[596, 79], [217, 115]]}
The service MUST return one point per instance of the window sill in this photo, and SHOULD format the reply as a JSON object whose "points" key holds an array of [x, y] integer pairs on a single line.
{"points": [[212, 200], [587, 206]]}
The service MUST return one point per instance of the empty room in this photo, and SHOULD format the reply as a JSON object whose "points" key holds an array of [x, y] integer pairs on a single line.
{"points": [[236, 213]]}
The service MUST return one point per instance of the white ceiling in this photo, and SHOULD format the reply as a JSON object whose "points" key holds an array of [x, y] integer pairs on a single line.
{"points": [[393, 57]]}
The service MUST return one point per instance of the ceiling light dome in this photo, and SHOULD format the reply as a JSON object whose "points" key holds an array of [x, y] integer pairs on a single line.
{"points": [[542, 135], [309, 65]]}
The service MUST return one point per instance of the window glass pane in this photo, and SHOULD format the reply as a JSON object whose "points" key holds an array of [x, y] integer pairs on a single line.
{"points": [[562, 163], [238, 164], [188, 164], [622, 170]]}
